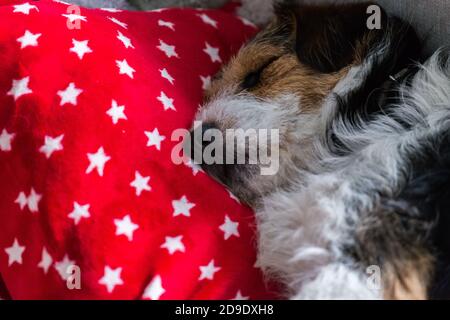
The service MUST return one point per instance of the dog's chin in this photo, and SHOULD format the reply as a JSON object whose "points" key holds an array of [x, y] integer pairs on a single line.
{"points": [[243, 181]]}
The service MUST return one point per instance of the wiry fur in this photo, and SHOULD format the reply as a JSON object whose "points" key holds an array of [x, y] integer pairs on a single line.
{"points": [[364, 169]]}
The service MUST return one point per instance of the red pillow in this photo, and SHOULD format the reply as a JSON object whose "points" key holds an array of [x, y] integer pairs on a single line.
{"points": [[88, 103]]}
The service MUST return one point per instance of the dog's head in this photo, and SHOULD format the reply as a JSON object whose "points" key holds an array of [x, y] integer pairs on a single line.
{"points": [[279, 81]]}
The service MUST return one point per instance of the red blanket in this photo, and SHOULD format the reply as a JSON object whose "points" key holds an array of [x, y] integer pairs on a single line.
{"points": [[92, 205]]}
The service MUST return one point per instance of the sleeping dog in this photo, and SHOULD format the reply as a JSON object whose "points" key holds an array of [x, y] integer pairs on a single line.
{"points": [[364, 139]]}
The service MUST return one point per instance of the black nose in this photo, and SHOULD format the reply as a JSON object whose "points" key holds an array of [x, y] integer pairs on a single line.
{"points": [[195, 146]]}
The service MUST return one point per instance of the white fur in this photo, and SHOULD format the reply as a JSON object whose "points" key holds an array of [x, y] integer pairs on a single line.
{"points": [[302, 231]]}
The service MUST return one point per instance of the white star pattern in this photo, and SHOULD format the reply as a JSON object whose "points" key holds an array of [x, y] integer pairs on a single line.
{"points": [[69, 141], [20, 88], [165, 74], [119, 23], [208, 271], [22, 200], [212, 52], [51, 145], [174, 244], [97, 161], [239, 296], [154, 139], [80, 48], [207, 20], [166, 24], [63, 267], [166, 102], [116, 112], [15, 253], [206, 82], [154, 290], [25, 8], [6, 139], [140, 183], [79, 212], [74, 17], [124, 68], [111, 278], [125, 40], [32, 201], [229, 228], [182, 207], [167, 49], [46, 261], [28, 39], [125, 227], [69, 95]]}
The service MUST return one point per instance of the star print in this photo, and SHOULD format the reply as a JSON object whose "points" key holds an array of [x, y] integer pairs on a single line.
{"points": [[120, 23], [206, 82], [229, 228], [207, 20], [154, 290], [15, 253], [182, 207], [140, 183], [167, 49], [125, 40], [166, 24], [116, 112], [97, 161], [74, 17], [79, 212], [166, 102], [80, 48], [51, 145], [208, 271], [69, 95], [6, 139], [125, 227], [32, 201], [22, 200], [46, 260], [124, 68], [25, 8], [174, 244], [154, 138], [64, 267], [28, 39], [20, 88], [111, 278], [212, 52], [239, 296], [195, 167], [165, 74]]}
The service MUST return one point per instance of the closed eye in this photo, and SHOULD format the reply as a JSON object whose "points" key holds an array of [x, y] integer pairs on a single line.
{"points": [[253, 79]]}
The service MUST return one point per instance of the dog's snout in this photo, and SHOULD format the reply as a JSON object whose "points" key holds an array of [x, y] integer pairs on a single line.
{"points": [[198, 141]]}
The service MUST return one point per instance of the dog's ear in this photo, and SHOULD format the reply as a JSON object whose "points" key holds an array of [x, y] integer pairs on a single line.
{"points": [[325, 37]]}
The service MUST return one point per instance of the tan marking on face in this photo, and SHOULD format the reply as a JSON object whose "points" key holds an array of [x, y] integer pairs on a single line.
{"points": [[286, 75]]}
